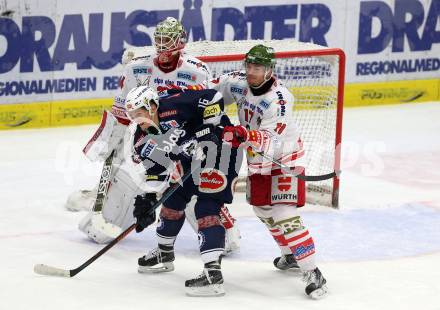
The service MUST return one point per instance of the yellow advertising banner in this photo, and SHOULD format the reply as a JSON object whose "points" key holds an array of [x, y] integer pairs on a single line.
{"points": [[89, 111], [392, 92]]}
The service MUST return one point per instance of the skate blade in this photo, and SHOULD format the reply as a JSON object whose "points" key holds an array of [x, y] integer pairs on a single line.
{"points": [[290, 269], [163, 267], [213, 290], [319, 293]]}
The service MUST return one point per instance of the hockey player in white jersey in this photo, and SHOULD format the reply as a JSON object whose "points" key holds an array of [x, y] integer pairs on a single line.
{"points": [[168, 68], [266, 125]]}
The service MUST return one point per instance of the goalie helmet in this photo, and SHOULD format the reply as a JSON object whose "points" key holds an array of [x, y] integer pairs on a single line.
{"points": [[141, 97], [262, 55], [169, 35]]}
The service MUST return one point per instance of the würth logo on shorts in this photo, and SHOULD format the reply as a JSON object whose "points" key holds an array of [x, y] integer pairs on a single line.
{"points": [[212, 181]]}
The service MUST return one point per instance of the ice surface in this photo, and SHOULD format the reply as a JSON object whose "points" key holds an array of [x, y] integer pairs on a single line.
{"points": [[381, 250]]}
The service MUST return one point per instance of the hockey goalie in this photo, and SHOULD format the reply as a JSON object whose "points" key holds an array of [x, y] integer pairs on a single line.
{"points": [[110, 204]]}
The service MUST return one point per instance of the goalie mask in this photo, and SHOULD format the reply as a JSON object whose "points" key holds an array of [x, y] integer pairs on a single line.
{"points": [[138, 105], [169, 36]]}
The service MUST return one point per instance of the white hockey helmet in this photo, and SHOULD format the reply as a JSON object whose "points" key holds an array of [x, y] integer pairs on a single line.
{"points": [[141, 97]]}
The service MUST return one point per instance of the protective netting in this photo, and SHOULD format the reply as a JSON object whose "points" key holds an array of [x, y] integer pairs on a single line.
{"points": [[311, 73]]}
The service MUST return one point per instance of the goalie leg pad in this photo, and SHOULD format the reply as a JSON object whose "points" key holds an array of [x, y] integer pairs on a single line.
{"points": [[119, 205], [117, 209], [81, 200], [86, 226], [106, 138]]}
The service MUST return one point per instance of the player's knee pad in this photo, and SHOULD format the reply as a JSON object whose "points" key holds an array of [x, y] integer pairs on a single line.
{"points": [[171, 214], [171, 221], [106, 138]]}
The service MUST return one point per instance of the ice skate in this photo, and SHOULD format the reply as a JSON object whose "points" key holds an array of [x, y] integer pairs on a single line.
{"points": [[316, 284], [209, 283], [158, 260], [286, 262]]}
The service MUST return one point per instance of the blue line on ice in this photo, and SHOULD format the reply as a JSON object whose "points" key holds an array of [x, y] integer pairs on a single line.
{"points": [[344, 235]]}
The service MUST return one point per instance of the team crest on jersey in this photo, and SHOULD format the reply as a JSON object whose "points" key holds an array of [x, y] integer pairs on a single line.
{"points": [[142, 70], [186, 76]]}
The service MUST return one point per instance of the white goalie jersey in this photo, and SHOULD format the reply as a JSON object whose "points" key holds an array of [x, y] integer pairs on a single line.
{"points": [[269, 114], [144, 70]]}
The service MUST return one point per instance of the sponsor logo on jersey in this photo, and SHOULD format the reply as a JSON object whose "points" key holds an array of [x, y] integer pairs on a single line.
{"points": [[119, 100], [149, 147], [151, 177], [198, 64], [279, 94], [264, 104], [211, 111], [169, 124], [242, 102], [237, 89], [169, 144], [282, 106], [168, 113], [212, 181], [186, 76], [158, 81], [142, 70]]}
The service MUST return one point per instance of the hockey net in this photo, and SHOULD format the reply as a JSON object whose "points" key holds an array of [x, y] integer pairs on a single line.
{"points": [[315, 76]]}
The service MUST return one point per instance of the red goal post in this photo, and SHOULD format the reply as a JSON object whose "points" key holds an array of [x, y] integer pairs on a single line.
{"points": [[315, 76]]}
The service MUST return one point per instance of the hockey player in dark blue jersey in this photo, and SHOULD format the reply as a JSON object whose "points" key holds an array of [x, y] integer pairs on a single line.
{"points": [[172, 134]]}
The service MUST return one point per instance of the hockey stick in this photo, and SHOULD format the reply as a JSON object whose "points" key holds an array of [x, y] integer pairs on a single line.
{"points": [[97, 219], [309, 178], [53, 271]]}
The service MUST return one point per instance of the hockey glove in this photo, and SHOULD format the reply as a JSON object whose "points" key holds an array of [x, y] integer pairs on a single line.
{"points": [[235, 135], [209, 132], [143, 211]]}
